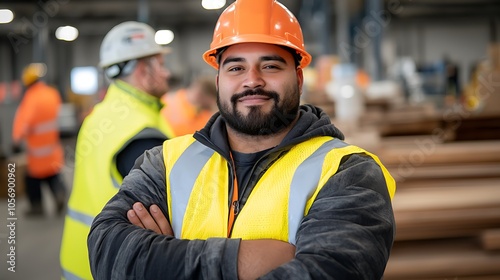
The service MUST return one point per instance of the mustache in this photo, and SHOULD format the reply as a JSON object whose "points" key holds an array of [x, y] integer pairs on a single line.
{"points": [[271, 94]]}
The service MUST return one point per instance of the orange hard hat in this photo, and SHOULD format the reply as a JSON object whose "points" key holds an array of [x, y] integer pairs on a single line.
{"points": [[33, 72], [257, 21]]}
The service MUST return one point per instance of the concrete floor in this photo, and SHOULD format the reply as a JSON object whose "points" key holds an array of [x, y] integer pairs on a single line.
{"points": [[37, 240]]}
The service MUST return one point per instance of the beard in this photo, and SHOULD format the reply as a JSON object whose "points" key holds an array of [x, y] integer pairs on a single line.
{"points": [[257, 122]]}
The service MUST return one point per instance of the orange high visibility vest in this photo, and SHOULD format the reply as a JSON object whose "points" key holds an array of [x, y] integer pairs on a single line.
{"points": [[36, 121], [183, 117]]}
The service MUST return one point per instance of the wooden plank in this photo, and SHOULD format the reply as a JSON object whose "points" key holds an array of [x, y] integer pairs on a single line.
{"points": [[454, 259], [471, 277], [490, 239], [435, 198], [396, 128], [408, 172], [445, 224], [474, 128], [448, 183], [425, 151], [434, 212]]}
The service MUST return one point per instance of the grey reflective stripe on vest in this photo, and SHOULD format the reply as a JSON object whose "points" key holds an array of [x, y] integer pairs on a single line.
{"points": [[42, 151], [44, 127], [304, 183], [181, 185], [80, 217], [115, 182], [70, 276]]}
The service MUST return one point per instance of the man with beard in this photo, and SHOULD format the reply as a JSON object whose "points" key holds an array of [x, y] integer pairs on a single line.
{"points": [[267, 189]]}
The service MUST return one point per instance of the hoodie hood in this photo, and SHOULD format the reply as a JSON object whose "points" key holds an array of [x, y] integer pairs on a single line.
{"points": [[313, 122]]}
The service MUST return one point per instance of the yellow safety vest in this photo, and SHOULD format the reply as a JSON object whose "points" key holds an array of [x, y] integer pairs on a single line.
{"points": [[124, 113], [197, 182]]}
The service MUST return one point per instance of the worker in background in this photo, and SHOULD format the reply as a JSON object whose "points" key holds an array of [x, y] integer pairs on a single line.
{"points": [[119, 129], [36, 121], [267, 189], [189, 109]]}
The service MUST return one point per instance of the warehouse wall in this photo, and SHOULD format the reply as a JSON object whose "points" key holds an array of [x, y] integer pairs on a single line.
{"points": [[464, 42]]}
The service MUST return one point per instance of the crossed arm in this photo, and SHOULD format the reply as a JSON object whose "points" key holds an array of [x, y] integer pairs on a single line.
{"points": [[255, 257], [142, 245]]}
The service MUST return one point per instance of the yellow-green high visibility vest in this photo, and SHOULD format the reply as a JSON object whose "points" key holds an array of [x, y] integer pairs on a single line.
{"points": [[197, 182], [124, 113]]}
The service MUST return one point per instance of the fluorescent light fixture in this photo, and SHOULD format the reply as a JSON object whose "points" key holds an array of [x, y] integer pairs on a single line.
{"points": [[66, 33], [6, 16], [84, 80], [213, 4], [164, 37]]}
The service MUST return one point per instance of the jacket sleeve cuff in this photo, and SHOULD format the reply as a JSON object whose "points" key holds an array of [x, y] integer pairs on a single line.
{"points": [[216, 258], [229, 269]]}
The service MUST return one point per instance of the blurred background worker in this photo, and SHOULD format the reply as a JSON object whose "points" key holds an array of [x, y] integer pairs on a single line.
{"points": [[36, 122], [116, 132], [188, 110]]}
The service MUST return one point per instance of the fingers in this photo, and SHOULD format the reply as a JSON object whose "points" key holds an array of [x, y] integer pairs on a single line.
{"points": [[145, 218], [132, 217], [153, 220], [161, 220]]}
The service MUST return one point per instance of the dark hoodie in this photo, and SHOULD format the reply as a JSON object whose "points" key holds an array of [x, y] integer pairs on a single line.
{"points": [[347, 234]]}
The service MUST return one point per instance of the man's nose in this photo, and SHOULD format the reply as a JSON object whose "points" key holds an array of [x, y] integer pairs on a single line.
{"points": [[254, 79]]}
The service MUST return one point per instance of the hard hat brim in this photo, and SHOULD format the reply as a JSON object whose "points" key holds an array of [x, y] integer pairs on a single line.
{"points": [[210, 59]]}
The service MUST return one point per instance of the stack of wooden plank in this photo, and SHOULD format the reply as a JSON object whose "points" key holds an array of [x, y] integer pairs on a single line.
{"points": [[447, 208], [447, 203]]}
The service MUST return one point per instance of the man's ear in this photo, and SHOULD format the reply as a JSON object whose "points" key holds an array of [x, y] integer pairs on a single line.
{"points": [[142, 66], [217, 82]]}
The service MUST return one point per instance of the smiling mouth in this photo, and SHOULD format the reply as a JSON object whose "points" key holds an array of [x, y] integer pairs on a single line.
{"points": [[254, 98]]}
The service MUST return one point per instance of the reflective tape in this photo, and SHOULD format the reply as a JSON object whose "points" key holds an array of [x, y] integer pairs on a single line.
{"points": [[303, 187], [80, 217], [44, 127], [181, 186], [42, 151]]}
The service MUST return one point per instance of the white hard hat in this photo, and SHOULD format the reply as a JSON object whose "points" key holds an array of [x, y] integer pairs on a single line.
{"points": [[129, 40]]}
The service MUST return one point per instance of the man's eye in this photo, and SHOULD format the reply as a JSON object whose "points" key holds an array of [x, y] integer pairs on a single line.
{"points": [[271, 66], [234, 69]]}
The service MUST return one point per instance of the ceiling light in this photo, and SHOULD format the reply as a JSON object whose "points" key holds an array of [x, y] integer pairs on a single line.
{"points": [[213, 4], [6, 16], [164, 37], [66, 33]]}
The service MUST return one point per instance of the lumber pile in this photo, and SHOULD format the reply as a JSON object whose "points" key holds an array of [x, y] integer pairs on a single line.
{"points": [[447, 208], [405, 119], [472, 127], [447, 204]]}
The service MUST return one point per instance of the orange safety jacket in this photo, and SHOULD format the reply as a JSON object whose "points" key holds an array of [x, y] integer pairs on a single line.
{"points": [[183, 117], [36, 121]]}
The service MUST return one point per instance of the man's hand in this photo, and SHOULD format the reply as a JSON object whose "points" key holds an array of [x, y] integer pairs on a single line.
{"points": [[258, 257], [153, 220]]}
